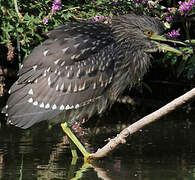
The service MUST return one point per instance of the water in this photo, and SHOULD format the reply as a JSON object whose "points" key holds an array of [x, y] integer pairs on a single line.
{"points": [[164, 150]]}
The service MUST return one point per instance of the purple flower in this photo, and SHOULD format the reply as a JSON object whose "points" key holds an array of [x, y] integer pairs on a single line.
{"points": [[95, 19], [186, 6], [138, 2], [169, 9], [106, 20], [56, 6], [174, 33], [169, 18], [45, 21], [115, 3], [82, 133], [180, 3], [83, 121], [98, 18], [117, 10]]}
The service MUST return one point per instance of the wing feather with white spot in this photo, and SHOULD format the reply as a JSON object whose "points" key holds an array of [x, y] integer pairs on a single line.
{"points": [[65, 72], [68, 44]]}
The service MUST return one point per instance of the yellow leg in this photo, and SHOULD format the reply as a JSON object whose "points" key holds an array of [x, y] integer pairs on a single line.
{"points": [[74, 139], [73, 149]]}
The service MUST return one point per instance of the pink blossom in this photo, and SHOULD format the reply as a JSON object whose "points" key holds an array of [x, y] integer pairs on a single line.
{"points": [[186, 6], [83, 121], [169, 18], [95, 19], [169, 9], [138, 2], [45, 21], [98, 18], [56, 6], [174, 33]]}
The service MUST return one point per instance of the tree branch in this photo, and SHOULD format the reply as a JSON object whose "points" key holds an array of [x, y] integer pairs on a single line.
{"points": [[121, 138]]}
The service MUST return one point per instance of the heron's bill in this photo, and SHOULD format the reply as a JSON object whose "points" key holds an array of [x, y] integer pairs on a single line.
{"points": [[157, 39]]}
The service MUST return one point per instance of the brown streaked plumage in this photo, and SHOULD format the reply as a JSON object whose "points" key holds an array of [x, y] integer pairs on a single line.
{"points": [[81, 69]]}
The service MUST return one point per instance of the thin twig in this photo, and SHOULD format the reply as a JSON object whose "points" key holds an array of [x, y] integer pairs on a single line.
{"points": [[18, 37], [16, 6], [121, 138], [70, 9]]}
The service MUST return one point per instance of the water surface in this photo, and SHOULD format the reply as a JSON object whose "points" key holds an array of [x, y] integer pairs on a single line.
{"points": [[164, 150]]}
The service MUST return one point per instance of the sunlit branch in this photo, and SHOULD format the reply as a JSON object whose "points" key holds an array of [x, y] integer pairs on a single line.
{"points": [[121, 138]]}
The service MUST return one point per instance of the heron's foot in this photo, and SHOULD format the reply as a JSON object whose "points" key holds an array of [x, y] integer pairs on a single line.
{"points": [[76, 142]]}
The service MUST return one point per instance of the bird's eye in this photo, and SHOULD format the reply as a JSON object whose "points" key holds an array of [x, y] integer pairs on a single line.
{"points": [[148, 33]]}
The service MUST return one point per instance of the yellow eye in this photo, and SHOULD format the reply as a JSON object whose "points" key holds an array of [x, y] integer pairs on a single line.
{"points": [[148, 33]]}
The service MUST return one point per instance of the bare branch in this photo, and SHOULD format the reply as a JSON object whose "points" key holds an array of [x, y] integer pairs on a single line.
{"points": [[121, 138]]}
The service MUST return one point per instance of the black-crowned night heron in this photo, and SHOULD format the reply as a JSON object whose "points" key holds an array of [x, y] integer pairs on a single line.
{"points": [[81, 69]]}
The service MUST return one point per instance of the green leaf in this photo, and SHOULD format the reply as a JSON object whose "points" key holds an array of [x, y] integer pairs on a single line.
{"points": [[173, 60], [20, 30]]}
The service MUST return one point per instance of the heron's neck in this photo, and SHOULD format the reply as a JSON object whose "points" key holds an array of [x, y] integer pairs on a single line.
{"points": [[132, 64]]}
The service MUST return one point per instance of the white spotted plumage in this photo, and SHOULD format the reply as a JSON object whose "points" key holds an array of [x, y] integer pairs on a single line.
{"points": [[45, 52], [30, 100], [41, 105], [35, 103], [57, 61], [30, 92], [54, 107], [65, 49], [62, 107], [47, 106]]}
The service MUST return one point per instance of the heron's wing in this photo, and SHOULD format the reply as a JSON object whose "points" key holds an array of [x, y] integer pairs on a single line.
{"points": [[70, 43], [59, 75]]}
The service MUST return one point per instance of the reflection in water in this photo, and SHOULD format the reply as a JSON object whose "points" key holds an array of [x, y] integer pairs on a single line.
{"points": [[1, 164], [163, 150], [51, 171]]}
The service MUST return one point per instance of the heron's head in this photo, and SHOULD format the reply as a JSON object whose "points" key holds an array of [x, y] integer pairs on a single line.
{"points": [[142, 33]]}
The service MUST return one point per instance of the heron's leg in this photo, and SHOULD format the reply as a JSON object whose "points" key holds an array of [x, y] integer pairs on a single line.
{"points": [[74, 139], [73, 149]]}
